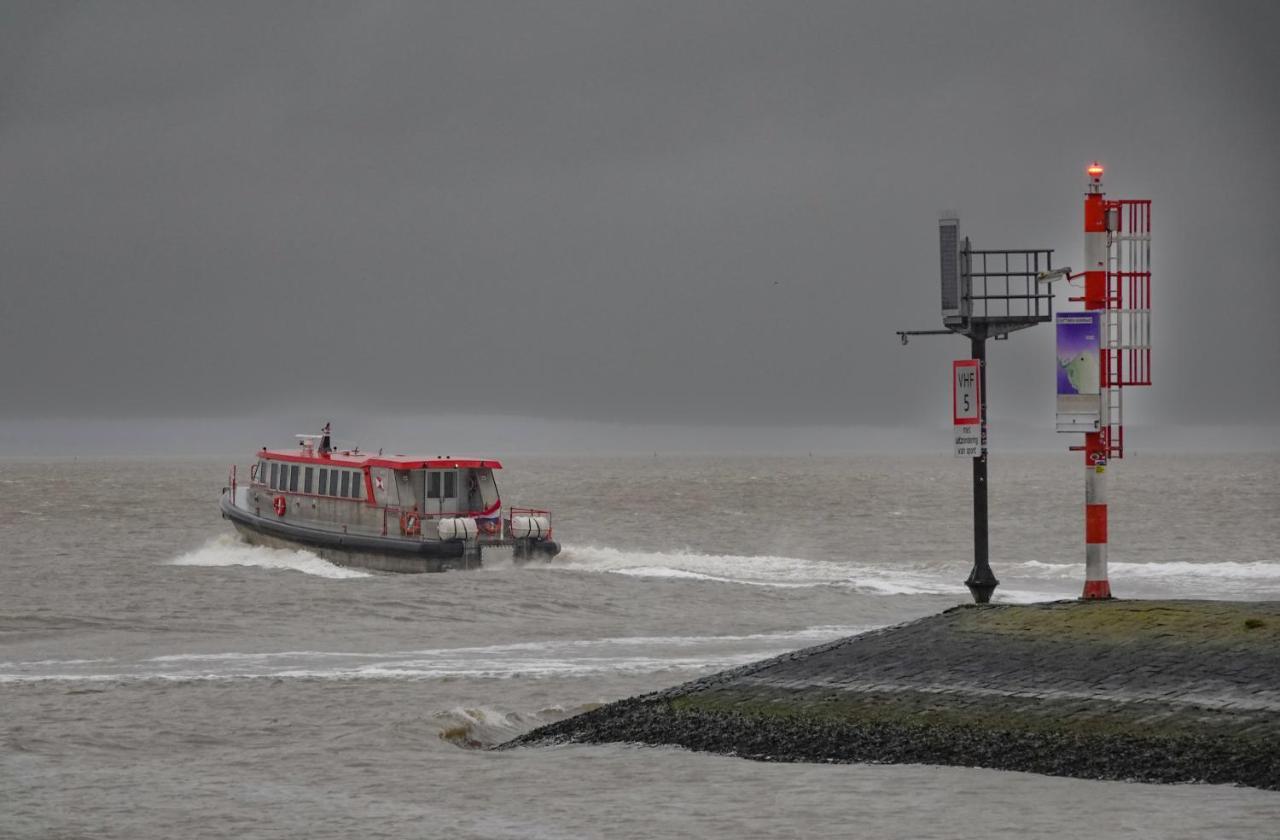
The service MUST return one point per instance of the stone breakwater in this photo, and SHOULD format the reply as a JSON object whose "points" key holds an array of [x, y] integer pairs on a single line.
{"points": [[1152, 691]]}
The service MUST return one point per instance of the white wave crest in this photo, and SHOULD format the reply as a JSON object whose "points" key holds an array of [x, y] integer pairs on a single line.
{"points": [[627, 655], [46, 662], [1224, 570], [764, 570], [1004, 595], [228, 550]]}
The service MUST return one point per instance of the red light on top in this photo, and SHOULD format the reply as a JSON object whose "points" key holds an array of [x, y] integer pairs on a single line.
{"points": [[1095, 170]]}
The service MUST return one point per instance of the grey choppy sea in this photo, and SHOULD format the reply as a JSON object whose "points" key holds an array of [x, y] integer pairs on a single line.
{"points": [[159, 678]]}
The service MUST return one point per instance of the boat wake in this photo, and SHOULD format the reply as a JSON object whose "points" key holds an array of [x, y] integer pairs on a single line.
{"points": [[229, 550], [778, 572]]}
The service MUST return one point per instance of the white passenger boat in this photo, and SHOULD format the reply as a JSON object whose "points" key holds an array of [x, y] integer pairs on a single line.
{"points": [[393, 513]]}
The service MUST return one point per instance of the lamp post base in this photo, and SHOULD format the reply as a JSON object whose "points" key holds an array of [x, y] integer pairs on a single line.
{"points": [[982, 583]]}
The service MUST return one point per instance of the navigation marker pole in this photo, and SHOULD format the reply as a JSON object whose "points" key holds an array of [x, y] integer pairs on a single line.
{"points": [[1102, 350], [1097, 585], [985, 294], [981, 581]]}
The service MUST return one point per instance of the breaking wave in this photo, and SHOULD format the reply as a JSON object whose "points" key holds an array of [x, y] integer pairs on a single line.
{"points": [[771, 571], [1225, 570], [626, 655], [481, 727], [1027, 582], [228, 550]]}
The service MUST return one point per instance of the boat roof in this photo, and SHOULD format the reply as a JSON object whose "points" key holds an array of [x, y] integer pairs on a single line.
{"points": [[347, 458]]}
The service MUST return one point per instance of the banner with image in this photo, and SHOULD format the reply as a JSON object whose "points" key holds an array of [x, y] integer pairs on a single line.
{"points": [[1079, 371]]}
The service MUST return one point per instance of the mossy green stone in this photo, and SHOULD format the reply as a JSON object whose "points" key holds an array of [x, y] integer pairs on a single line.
{"points": [[1151, 690]]}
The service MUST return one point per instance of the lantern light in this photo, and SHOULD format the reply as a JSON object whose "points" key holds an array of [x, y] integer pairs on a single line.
{"points": [[1095, 171]]}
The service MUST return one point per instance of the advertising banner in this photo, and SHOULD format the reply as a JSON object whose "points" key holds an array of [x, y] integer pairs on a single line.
{"points": [[1079, 371]]}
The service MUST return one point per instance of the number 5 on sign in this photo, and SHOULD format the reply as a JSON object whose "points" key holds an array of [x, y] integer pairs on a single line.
{"points": [[966, 407], [966, 401]]}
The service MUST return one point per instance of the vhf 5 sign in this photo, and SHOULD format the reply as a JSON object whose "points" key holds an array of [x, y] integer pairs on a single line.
{"points": [[966, 407]]}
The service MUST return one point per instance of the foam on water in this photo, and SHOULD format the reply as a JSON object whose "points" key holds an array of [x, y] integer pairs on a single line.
{"points": [[40, 662], [1176, 578], [763, 570], [483, 726], [1029, 582], [1005, 595], [412, 669], [228, 550], [535, 659], [1225, 570]]}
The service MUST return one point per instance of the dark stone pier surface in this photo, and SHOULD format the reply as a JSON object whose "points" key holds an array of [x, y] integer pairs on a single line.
{"points": [[1153, 691]]}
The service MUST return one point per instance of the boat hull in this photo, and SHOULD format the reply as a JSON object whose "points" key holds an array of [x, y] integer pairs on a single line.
{"points": [[383, 554]]}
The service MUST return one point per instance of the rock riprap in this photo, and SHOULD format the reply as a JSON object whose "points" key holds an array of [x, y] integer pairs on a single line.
{"points": [[1155, 691]]}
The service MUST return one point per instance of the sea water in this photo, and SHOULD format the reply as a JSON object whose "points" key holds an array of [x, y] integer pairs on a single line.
{"points": [[160, 678]]}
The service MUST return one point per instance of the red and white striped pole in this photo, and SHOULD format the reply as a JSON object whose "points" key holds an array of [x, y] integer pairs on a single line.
{"points": [[1096, 584]]}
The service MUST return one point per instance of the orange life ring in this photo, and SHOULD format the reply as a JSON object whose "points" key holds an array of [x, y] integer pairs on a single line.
{"points": [[280, 504], [410, 524]]}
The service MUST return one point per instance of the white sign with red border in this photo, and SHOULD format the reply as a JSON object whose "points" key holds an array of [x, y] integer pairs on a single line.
{"points": [[966, 407]]}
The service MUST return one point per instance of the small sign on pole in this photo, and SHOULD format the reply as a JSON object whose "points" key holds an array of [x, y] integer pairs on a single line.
{"points": [[966, 408]]}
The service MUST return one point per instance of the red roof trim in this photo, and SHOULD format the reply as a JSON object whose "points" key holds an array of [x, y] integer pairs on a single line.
{"points": [[396, 462]]}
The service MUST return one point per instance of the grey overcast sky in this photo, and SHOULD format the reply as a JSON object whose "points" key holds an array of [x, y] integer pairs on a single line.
{"points": [[686, 212]]}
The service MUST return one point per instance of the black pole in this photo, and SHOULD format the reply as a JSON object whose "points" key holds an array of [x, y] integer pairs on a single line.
{"points": [[982, 582]]}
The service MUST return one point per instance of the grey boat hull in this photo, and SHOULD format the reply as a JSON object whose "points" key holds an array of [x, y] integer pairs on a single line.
{"points": [[383, 554]]}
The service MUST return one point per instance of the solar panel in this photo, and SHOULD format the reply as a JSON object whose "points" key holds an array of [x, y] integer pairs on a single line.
{"points": [[949, 244]]}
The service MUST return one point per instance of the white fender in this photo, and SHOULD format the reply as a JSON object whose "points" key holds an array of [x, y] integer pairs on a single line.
{"points": [[457, 528], [536, 527]]}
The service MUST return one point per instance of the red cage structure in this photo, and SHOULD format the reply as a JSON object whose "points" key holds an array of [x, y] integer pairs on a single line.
{"points": [[1117, 282], [1126, 348]]}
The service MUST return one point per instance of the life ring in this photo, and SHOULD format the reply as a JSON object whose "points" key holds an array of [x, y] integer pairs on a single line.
{"points": [[410, 525], [280, 504]]}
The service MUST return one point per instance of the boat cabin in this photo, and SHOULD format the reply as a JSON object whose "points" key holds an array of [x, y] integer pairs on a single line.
{"points": [[358, 489]]}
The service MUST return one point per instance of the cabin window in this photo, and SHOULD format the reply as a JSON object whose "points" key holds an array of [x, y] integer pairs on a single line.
{"points": [[293, 479], [451, 485], [357, 485], [275, 468], [306, 480], [323, 489], [262, 472], [433, 485], [346, 477]]}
